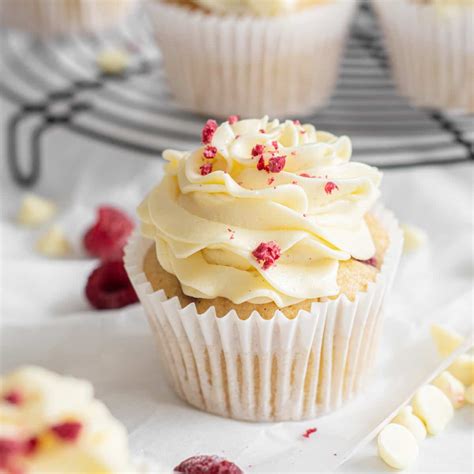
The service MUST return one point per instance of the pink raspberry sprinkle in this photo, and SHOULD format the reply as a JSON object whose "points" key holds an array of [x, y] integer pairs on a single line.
{"points": [[14, 397], [267, 253], [261, 164], [296, 122], [306, 175], [275, 144], [206, 168], [309, 432], [232, 119], [262, 130], [371, 261], [330, 187], [208, 131], [210, 152], [276, 164], [68, 431], [205, 464], [270, 181], [258, 150]]}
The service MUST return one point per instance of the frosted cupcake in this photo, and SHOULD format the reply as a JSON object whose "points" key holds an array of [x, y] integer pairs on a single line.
{"points": [[264, 267], [431, 47], [251, 57], [54, 17], [52, 424]]}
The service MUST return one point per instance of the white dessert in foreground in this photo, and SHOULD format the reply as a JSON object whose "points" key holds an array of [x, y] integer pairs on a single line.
{"points": [[53, 424], [397, 446], [407, 419]]}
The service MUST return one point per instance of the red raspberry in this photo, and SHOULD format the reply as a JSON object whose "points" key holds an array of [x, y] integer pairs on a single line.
{"points": [[205, 464], [276, 164], [267, 253], [232, 119], [330, 187], [210, 151], [205, 169], [107, 237], [208, 131], [258, 150], [108, 287], [68, 431]]}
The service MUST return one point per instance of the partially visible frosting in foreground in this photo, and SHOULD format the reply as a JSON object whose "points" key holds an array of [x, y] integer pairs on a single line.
{"points": [[52, 424], [257, 7], [263, 211]]}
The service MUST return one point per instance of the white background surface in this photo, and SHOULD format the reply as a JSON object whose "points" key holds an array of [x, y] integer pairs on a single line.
{"points": [[46, 320]]}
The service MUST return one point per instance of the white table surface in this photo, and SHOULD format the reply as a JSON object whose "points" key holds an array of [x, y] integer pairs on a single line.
{"points": [[40, 298]]}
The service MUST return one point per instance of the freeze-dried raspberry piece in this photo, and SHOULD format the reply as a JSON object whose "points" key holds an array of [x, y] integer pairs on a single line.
{"points": [[276, 164], [14, 397], [107, 237], [109, 287], [210, 152], [258, 150], [330, 187], [205, 464], [371, 261], [232, 119], [267, 253], [205, 169], [261, 164], [208, 131], [68, 431]]}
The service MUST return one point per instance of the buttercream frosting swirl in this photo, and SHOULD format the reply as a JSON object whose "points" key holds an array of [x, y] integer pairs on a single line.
{"points": [[264, 182]]}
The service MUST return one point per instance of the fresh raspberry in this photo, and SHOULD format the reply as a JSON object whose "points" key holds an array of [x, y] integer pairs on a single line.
{"points": [[258, 150], [267, 253], [276, 164], [330, 187], [205, 169], [14, 397], [107, 237], [205, 464], [208, 131], [371, 261], [210, 152], [232, 119], [108, 286], [68, 431]]}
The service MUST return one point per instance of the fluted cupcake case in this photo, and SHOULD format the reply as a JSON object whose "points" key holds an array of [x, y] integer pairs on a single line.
{"points": [[431, 51], [252, 66], [55, 17], [276, 369]]}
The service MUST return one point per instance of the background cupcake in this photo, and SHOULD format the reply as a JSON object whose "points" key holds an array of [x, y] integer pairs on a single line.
{"points": [[252, 57], [46, 17], [264, 269], [430, 43]]}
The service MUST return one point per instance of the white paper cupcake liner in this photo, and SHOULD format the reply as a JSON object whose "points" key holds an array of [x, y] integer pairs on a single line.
{"points": [[252, 66], [55, 17], [431, 51], [276, 369]]}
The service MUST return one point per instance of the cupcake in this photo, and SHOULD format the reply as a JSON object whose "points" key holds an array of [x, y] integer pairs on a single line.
{"points": [[52, 424], [251, 57], [430, 43], [46, 17], [264, 264]]}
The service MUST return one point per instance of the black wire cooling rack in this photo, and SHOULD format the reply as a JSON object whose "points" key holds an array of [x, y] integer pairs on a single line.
{"points": [[58, 82]]}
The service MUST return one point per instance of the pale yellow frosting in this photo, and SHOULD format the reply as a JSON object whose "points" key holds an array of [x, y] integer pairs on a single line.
{"points": [[47, 400], [257, 7], [206, 228]]}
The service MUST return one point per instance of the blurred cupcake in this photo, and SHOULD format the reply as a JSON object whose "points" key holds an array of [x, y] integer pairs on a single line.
{"points": [[264, 267], [52, 424], [56, 17], [431, 47], [251, 57]]}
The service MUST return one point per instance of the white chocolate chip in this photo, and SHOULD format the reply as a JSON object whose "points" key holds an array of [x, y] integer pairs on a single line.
{"points": [[413, 238], [397, 446], [451, 387], [433, 407], [53, 243], [446, 340], [113, 61], [463, 369], [407, 419], [35, 210], [469, 394]]}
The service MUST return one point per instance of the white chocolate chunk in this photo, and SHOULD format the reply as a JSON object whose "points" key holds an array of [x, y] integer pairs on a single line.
{"points": [[451, 387], [35, 210], [469, 394], [433, 407], [446, 340], [397, 446], [53, 243], [413, 238], [406, 418], [463, 369], [113, 61]]}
